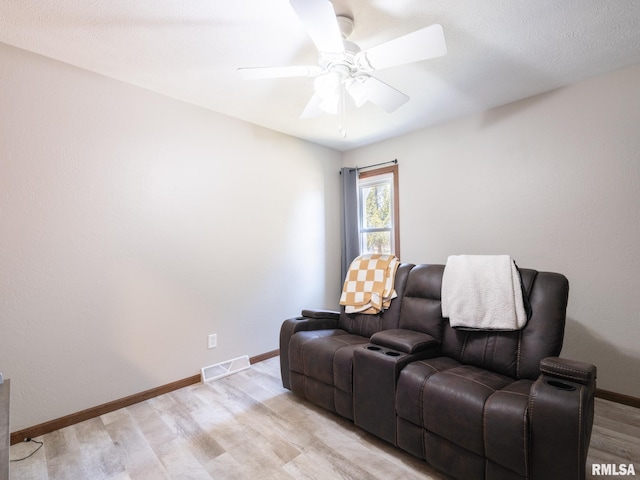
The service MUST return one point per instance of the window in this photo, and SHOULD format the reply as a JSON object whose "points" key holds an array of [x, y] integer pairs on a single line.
{"points": [[378, 211]]}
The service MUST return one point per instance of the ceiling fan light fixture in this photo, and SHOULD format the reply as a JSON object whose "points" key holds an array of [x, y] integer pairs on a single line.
{"points": [[357, 88], [330, 87]]}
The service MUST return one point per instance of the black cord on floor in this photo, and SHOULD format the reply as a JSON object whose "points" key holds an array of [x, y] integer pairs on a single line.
{"points": [[40, 444]]}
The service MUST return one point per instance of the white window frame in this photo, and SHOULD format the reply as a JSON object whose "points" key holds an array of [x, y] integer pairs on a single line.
{"points": [[372, 177]]}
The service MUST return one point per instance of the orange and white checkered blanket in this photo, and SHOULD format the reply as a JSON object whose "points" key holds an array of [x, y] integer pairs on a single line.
{"points": [[369, 285]]}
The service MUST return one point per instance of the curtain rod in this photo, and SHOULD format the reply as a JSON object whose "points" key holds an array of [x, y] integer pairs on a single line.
{"points": [[395, 161]]}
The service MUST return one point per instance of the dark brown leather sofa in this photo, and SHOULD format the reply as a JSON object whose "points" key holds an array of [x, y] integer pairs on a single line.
{"points": [[474, 404]]}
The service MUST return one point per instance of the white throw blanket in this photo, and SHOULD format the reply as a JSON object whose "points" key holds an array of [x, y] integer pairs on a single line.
{"points": [[483, 292]]}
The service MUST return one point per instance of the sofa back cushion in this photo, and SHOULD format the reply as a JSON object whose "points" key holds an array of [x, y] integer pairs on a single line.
{"points": [[421, 306], [516, 354], [366, 324]]}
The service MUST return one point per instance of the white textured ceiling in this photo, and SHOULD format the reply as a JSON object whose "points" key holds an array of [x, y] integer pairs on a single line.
{"points": [[499, 51]]}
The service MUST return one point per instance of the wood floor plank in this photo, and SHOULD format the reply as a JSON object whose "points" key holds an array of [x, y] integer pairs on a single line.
{"points": [[151, 424], [225, 467], [97, 451], [247, 426], [66, 461], [134, 451], [617, 412], [624, 447], [31, 468], [313, 466], [179, 461], [203, 445]]}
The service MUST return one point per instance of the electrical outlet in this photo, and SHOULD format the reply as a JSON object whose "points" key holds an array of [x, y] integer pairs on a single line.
{"points": [[213, 340]]}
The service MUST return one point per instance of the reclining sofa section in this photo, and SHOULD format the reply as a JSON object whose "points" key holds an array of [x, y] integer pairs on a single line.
{"points": [[473, 404]]}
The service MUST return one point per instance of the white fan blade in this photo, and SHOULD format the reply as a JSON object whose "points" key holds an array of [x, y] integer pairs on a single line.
{"points": [[312, 109], [378, 93], [319, 18], [278, 72], [420, 45]]}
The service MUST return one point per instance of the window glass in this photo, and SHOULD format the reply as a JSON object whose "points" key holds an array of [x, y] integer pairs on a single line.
{"points": [[376, 201], [377, 206]]}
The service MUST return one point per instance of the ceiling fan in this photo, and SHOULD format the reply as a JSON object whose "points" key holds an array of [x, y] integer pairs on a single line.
{"points": [[344, 68]]}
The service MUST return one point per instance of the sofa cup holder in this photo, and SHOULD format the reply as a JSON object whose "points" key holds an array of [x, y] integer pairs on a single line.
{"points": [[388, 353], [560, 385]]}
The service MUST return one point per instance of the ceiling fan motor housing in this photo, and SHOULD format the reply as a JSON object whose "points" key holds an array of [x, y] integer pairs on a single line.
{"points": [[345, 24], [346, 62]]}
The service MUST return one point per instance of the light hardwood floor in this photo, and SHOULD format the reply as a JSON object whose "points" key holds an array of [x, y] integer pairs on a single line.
{"points": [[246, 426]]}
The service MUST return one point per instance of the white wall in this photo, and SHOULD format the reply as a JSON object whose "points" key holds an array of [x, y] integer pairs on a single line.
{"points": [[133, 225], [553, 181]]}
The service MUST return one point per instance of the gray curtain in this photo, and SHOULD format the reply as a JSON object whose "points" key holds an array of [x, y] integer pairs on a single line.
{"points": [[350, 240]]}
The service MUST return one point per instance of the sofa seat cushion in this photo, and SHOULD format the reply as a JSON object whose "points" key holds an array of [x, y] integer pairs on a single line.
{"points": [[325, 356], [411, 385], [506, 427], [454, 402], [481, 411]]}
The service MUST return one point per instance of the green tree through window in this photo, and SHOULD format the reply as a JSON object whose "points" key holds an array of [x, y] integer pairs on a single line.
{"points": [[377, 215]]}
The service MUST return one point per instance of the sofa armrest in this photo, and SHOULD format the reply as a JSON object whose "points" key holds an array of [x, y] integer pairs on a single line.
{"points": [[571, 370], [561, 409], [405, 341], [310, 320], [321, 314]]}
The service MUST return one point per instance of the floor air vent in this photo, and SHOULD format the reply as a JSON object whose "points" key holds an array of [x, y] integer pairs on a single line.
{"points": [[222, 369]]}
